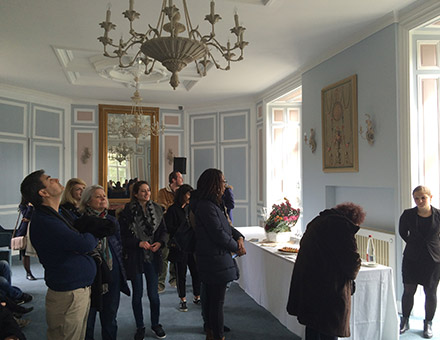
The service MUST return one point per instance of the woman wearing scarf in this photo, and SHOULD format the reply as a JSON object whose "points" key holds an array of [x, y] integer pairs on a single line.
{"points": [[107, 286], [143, 235]]}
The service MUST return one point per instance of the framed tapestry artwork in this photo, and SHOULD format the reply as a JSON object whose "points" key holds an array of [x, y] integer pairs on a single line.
{"points": [[339, 126]]}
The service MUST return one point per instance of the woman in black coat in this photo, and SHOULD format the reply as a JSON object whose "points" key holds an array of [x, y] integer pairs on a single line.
{"points": [[214, 247], [181, 245], [324, 272], [419, 227], [143, 235]]}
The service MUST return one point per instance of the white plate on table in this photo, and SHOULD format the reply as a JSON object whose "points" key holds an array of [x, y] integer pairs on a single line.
{"points": [[369, 264]]}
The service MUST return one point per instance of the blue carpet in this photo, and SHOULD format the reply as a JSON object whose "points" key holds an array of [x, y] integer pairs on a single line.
{"points": [[246, 318]]}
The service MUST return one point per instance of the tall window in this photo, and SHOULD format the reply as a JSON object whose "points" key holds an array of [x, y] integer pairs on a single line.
{"points": [[117, 171], [425, 124], [284, 156]]}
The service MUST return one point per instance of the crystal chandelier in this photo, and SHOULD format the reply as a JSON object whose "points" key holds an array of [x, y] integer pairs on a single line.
{"points": [[133, 124], [120, 152], [173, 51]]}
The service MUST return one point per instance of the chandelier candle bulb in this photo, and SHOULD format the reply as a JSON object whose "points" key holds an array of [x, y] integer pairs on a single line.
{"points": [[131, 5], [236, 20], [107, 17], [212, 7]]}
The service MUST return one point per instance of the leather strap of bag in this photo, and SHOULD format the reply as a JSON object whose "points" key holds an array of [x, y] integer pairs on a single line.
{"points": [[16, 224]]}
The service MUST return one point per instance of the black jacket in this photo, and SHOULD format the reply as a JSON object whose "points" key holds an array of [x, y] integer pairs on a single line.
{"points": [[415, 240], [214, 243], [322, 279]]}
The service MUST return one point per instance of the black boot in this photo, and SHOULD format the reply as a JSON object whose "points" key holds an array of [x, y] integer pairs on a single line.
{"points": [[427, 329], [404, 324]]}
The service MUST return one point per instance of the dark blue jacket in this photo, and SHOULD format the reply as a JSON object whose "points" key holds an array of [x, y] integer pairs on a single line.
{"points": [[116, 249], [62, 251], [214, 243]]}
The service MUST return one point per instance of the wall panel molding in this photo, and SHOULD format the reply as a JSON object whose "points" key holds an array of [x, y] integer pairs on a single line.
{"points": [[203, 129], [8, 117], [234, 127], [50, 157], [47, 123]]}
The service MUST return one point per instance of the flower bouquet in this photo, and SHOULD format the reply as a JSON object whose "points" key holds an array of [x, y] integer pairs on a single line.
{"points": [[281, 219]]}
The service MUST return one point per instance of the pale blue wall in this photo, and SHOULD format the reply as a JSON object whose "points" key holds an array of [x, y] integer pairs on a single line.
{"points": [[375, 185]]}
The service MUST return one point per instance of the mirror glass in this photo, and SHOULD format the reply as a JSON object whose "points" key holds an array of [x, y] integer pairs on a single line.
{"points": [[126, 153]]}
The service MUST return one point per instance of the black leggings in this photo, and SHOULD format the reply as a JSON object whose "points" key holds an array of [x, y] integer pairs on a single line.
{"points": [[187, 261], [430, 300], [215, 298]]}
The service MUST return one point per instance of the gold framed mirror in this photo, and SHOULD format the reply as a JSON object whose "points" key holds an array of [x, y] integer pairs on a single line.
{"points": [[122, 156]]}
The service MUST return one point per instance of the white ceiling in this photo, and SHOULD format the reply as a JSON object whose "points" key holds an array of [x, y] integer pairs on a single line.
{"points": [[51, 45]]}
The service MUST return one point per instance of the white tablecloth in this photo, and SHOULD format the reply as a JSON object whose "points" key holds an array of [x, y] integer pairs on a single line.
{"points": [[265, 276]]}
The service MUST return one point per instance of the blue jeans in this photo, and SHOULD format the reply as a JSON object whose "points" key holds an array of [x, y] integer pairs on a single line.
{"points": [[151, 276], [110, 305], [5, 282]]}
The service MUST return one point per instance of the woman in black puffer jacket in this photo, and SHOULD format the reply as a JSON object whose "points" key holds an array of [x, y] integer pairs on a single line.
{"points": [[214, 247]]}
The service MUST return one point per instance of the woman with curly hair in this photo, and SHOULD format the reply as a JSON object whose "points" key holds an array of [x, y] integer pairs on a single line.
{"points": [[325, 269], [214, 247], [143, 235]]}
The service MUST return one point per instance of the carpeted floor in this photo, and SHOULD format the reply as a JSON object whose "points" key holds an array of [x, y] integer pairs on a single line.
{"points": [[247, 320]]}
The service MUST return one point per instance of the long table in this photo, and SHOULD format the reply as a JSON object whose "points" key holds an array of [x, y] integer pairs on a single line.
{"points": [[265, 275]]}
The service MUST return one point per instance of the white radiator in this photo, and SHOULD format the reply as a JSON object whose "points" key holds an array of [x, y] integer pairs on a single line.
{"points": [[384, 244]]}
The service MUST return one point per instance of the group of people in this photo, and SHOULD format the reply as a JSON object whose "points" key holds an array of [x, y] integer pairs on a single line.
{"points": [[89, 255], [322, 284]]}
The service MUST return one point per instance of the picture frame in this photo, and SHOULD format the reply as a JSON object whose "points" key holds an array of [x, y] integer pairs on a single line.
{"points": [[339, 126]]}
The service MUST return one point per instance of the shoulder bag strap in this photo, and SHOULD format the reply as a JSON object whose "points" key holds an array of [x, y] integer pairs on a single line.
{"points": [[16, 224]]}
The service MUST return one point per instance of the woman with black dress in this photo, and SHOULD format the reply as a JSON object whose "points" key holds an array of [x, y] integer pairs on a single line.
{"points": [[419, 227], [181, 245]]}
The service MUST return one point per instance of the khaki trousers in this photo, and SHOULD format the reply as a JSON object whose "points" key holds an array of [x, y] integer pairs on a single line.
{"points": [[66, 313]]}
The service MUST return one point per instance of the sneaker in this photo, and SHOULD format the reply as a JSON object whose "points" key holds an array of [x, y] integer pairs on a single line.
{"points": [[183, 307], [196, 300], [160, 288], [140, 333], [158, 331], [23, 299], [22, 322]]}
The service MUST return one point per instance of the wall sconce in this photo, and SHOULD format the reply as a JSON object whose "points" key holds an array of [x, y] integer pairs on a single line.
{"points": [[170, 156], [369, 133], [85, 155], [310, 141]]}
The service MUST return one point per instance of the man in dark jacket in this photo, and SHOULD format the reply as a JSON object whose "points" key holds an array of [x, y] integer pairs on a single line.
{"points": [[62, 251], [325, 269]]}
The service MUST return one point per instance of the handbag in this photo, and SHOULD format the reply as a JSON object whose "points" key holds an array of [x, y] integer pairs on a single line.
{"points": [[19, 242]]}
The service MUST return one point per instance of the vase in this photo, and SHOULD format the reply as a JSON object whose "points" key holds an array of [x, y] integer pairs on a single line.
{"points": [[278, 237]]}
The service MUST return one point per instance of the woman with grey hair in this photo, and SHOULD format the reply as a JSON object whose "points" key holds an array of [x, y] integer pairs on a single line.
{"points": [[105, 295]]}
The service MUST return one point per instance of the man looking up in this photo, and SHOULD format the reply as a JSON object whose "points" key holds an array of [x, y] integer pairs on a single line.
{"points": [[68, 270], [166, 199]]}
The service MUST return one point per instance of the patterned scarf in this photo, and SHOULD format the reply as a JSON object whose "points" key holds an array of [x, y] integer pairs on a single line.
{"points": [[103, 246], [145, 223]]}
